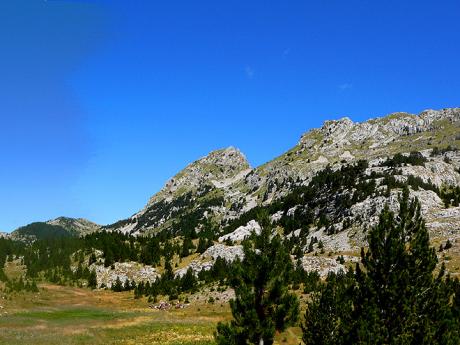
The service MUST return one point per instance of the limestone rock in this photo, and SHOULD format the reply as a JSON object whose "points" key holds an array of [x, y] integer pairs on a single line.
{"points": [[106, 276], [242, 232]]}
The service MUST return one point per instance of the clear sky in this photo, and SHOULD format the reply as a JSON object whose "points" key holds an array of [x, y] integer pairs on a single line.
{"points": [[102, 101]]}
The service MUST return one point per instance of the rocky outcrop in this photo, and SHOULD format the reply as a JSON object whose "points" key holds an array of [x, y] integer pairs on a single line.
{"points": [[321, 265], [220, 168], [132, 271], [196, 266], [207, 259], [228, 253], [242, 232], [324, 266]]}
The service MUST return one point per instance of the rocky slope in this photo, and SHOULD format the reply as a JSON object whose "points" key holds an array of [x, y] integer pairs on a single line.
{"points": [[222, 186], [203, 190], [343, 140]]}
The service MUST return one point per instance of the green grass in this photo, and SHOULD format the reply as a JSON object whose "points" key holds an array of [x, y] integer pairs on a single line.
{"points": [[69, 314], [94, 326], [62, 315]]}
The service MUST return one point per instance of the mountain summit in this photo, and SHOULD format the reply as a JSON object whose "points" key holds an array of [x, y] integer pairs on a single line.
{"points": [[217, 169], [206, 181]]}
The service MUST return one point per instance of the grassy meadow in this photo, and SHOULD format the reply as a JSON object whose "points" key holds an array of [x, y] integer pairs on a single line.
{"points": [[68, 315]]}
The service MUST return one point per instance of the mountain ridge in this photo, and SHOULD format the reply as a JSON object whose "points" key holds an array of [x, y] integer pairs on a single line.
{"points": [[335, 143], [222, 185]]}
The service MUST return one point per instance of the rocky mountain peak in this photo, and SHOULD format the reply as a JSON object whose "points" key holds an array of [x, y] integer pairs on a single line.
{"points": [[229, 159], [207, 181], [430, 115], [213, 169]]}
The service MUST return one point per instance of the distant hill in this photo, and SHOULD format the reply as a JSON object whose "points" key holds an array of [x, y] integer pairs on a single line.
{"points": [[59, 227], [79, 226], [40, 230]]}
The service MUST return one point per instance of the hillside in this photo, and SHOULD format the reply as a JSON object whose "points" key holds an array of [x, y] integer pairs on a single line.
{"points": [[222, 186], [40, 230], [322, 195], [59, 227]]}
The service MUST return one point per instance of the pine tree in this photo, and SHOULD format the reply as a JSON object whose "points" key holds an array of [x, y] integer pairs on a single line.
{"points": [[263, 303], [34, 287], [202, 245], [188, 281], [127, 285], [329, 311], [395, 297], [92, 280], [186, 246], [92, 259], [118, 286]]}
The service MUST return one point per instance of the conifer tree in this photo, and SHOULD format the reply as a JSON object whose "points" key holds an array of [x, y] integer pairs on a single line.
{"points": [[34, 287], [202, 245], [188, 281], [127, 285], [118, 286], [263, 303], [329, 311], [92, 280], [395, 297]]}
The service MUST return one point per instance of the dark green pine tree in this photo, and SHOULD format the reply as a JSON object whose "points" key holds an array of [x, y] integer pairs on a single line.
{"points": [[127, 285], [188, 281], [92, 280], [186, 246], [329, 311], [34, 287], [92, 259], [118, 286], [202, 245], [263, 304], [456, 302], [396, 298]]}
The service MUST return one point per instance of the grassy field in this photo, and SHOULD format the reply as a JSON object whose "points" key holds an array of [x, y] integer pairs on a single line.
{"points": [[67, 315]]}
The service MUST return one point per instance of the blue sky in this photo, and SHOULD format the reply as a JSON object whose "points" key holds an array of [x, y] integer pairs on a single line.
{"points": [[102, 101]]}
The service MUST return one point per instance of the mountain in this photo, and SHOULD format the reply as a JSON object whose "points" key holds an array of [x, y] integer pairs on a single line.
{"points": [[222, 187], [59, 227], [40, 230], [322, 196], [202, 190], [79, 226], [222, 193]]}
